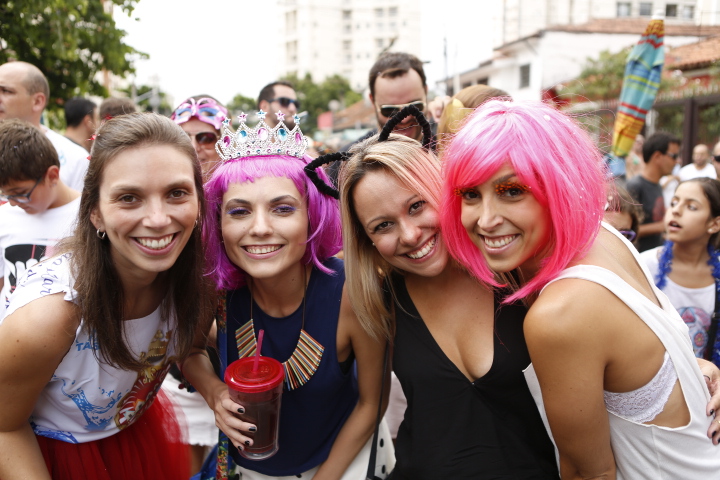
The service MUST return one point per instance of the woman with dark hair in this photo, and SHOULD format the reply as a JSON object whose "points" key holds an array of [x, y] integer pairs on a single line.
{"points": [[270, 239], [90, 333], [687, 267]]}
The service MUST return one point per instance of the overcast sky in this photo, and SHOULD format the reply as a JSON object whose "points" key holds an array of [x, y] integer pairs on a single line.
{"points": [[225, 47]]}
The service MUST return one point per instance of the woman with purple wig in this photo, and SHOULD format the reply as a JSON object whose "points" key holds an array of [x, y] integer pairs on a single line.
{"points": [[270, 241], [612, 363]]}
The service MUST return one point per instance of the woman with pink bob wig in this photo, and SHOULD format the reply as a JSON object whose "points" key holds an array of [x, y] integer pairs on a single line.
{"points": [[612, 369], [270, 238]]}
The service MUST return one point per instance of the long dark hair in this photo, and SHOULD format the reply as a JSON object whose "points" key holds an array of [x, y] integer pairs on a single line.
{"points": [[99, 288]]}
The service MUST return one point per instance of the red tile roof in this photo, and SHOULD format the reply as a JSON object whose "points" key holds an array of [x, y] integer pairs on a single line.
{"points": [[695, 55], [360, 114]]}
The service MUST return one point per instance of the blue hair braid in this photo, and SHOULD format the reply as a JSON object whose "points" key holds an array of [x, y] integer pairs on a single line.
{"points": [[665, 264]]}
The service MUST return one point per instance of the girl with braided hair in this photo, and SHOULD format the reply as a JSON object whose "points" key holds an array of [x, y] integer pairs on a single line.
{"points": [[687, 267]]}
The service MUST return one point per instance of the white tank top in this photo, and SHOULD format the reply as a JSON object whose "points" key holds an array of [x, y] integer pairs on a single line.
{"points": [[86, 399], [648, 451]]}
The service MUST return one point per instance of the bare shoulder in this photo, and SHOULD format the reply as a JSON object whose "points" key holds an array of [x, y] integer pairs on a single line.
{"points": [[33, 341], [569, 310], [44, 327]]}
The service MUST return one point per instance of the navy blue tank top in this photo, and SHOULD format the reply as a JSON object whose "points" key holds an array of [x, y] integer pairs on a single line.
{"points": [[311, 415]]}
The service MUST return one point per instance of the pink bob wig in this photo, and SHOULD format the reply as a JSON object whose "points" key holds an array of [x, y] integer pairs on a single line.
{"points": [[550, 153], [324, 235]]}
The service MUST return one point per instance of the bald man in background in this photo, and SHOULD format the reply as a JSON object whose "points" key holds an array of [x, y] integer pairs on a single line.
{"points": [[24, 92]]}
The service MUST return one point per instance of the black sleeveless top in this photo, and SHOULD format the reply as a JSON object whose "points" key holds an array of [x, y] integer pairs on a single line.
{"points": [[487, 429]]}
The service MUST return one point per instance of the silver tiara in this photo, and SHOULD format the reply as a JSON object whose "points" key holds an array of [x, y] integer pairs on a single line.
{"points": [[261, 140]]}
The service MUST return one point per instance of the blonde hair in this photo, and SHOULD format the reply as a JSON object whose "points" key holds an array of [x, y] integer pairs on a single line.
{"points": [[463, 104], [365, 270]]}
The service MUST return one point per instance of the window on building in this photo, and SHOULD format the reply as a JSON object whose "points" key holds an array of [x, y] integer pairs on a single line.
{"points": [[645, 9], [392, 25], [623, 9], [392, 11], [347, 14], [379, 25], [688, 12], [379, 42], [525, 76], [671, 10], [379, 12], [483, 81]]}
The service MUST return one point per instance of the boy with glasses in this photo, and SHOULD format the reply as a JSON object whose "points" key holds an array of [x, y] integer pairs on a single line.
{"points": [[38, 210]]}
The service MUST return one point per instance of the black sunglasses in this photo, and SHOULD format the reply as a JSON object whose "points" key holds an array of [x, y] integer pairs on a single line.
{"points": [[716, 158], [22, 197], [285, 102], [392, 110], [205, 138], [674, 156]]}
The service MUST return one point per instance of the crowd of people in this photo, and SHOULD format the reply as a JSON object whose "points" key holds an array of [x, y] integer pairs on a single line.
{"points": [[465, 292]]}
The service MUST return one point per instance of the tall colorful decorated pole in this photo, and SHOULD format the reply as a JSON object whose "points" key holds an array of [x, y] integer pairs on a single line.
{"points": [[640, 85]]}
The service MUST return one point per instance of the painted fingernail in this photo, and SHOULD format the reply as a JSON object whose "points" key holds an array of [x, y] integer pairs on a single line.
{"points": [[247, 442], [252, 429], [241, 410]]}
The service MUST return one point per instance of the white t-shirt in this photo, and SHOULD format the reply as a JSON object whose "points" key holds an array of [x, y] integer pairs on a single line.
{"points": [[690, 171], [695, 305], [73, 160], [24, 239], [87, 399]]}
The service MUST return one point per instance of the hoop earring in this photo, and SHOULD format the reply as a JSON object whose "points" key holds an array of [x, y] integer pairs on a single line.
{"points": [[101, 235]]}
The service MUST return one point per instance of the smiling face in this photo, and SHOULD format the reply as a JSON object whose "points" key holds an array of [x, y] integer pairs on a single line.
{"points": [[507, 224], [264, 226], [148, 205], [404, 228], [689, 217]]}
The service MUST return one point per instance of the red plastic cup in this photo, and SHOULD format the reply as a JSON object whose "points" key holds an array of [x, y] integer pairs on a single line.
{"points": [[259, 393]]}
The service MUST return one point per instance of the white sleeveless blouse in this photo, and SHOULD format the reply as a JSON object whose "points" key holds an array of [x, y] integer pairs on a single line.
{"points": [[86, 399], [648, 451]]}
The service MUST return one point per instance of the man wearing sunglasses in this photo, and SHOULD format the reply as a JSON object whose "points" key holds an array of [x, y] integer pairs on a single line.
{"points": [[396, 80], [24, 93], [660, 152], [279, 96], [700, 166]]}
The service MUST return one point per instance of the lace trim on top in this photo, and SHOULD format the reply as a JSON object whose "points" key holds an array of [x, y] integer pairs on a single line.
{"points": [[645, 403]]}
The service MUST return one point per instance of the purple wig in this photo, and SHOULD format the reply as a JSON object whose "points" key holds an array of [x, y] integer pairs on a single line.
{"points": [[550, 153], [324, 235]]}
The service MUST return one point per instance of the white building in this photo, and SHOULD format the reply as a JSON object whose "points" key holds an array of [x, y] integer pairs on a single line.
{"points": [[542, 43], [328, 37]]}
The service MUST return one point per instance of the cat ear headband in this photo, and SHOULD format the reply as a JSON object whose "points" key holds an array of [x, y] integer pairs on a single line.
{"points": [[384, 135]]}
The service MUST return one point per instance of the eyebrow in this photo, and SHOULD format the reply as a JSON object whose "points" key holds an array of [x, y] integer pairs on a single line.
{"points": [[410, 200], [504, 178], [135, 188], [281, 198]]}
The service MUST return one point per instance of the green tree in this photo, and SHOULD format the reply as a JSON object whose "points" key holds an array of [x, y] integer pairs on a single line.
{"points": [[241, 103], [71, 41], [315, 98], [601, 78]]}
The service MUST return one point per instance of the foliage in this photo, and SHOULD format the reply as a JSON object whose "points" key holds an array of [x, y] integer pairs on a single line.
{"points": [[71, 41], [241, 103], [601, 78], [315, 98], [144, 104]]}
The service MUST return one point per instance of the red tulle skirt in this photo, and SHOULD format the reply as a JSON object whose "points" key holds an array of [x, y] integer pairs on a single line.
{"points": [[150, 449]]}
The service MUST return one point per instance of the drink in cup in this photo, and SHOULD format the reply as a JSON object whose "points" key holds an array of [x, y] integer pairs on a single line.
{"points": [[257, 385]]}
